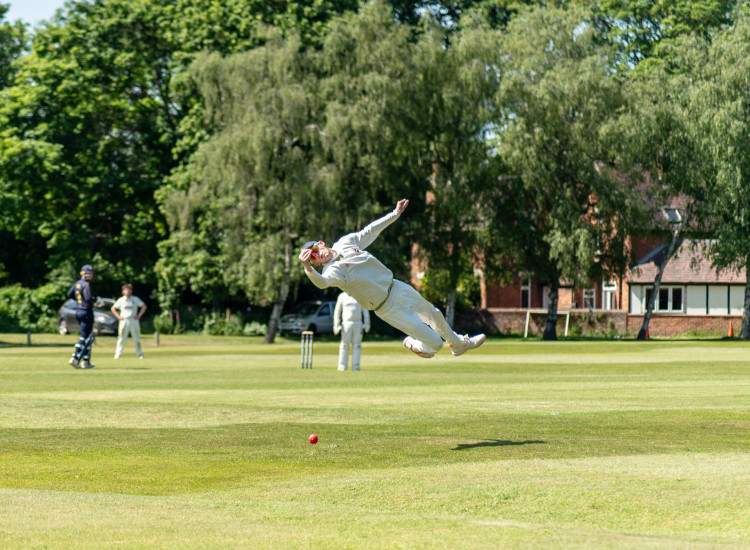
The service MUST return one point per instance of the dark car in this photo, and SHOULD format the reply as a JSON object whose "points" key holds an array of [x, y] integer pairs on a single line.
{"points": [[314, 316], [104, 321]]}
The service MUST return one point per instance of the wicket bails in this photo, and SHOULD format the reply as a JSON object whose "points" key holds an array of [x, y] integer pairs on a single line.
{"points": [[307, 349]]}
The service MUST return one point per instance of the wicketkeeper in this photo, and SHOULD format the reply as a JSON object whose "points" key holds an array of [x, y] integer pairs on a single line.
{"points": [[85, 299], [350, 319], [364, 277]]}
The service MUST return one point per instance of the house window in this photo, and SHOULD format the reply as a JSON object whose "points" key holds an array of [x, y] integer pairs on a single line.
{"points": [[676, 299], [669, 299], [672, 214], [526, 293], [609, 291], [589, 298]]}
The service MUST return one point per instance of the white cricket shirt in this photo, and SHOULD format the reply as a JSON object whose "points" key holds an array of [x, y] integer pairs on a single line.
{"points": [[356, 272], [128, 306]]}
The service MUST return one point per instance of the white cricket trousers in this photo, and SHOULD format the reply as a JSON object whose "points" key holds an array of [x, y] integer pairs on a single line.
{"points": [[351, 337], [129, 326], [406, 310]]}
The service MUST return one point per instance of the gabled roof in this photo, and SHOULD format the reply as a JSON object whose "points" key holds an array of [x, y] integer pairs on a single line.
{"points": [[689, 265]]}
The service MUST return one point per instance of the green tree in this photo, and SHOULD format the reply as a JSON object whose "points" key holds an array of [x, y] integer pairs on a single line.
{"points": [[408, 116], [659, 143], [557, 94], [13, 42], [646, 28], [719, 112], [450, 13], [254, 187], [454, 108], [97, 117], [87, 133], [364, 66]]}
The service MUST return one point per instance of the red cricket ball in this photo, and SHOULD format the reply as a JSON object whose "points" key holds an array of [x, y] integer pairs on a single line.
{"points": [[313, 439]]}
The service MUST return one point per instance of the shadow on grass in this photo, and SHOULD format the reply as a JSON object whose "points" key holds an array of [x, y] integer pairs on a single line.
{"points": [[496, 443]]}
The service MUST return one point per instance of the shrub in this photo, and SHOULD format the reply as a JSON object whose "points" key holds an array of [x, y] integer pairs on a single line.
{"points": [[255, 328], [211, 324], [23, 309], [216, 324], [163, 324]]}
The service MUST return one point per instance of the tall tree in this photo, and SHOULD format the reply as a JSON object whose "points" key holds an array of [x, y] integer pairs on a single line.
{"points": [[87, 130], [13, 42], [454, 106], [97, 117], [556, 96], [252, 189], [720, 115], [409, 116], [365, 65], [661, 155]]}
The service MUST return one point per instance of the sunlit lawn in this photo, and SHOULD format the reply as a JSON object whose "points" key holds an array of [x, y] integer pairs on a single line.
{"points": [[520, 444]]}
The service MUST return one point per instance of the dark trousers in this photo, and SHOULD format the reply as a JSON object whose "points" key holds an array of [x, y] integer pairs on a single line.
{"points": [[86, 322]]}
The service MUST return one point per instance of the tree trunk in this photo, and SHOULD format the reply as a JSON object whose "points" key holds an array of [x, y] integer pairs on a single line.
{"points": [[745, 331], [450, 307], [453, 276], [676, 236], [550, 326], [655, 291], [278, 306]]}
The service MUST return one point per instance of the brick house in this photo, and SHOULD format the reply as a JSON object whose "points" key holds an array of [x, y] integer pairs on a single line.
{"points": [[693, 296]]}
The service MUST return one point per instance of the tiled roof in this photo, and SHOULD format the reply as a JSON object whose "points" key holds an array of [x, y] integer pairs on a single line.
{"points": [[689, 265]]}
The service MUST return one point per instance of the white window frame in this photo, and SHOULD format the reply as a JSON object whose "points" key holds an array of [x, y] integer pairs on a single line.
{"points": [[609, 292], [526, 286], [670, 298]]}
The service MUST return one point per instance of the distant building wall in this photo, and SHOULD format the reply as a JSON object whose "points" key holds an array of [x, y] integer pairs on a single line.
{"points": [[679, 325], [507, 321]]}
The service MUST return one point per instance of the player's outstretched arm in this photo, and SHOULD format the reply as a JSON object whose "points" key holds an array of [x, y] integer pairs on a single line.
{"points": [[368, 234]]}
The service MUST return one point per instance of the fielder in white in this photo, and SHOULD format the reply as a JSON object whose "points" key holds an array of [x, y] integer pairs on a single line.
{"points": [[128, 309], [350, 319], [364, 277]]}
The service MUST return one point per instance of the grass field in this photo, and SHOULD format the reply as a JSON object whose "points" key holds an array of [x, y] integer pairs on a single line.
{"points": [[520, 444]]}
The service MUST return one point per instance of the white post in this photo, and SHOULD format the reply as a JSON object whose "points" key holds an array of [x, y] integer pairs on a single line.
{"points": [[526, 330], [567, 321]]}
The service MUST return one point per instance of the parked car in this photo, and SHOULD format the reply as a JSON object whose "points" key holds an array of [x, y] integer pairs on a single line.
{"points": [[104, 321], [314, 316]]}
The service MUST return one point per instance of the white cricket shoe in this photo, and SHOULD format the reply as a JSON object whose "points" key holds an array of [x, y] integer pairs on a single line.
{"points": [[409, 344], [470, 343], [73, 362], [86, 365]]}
